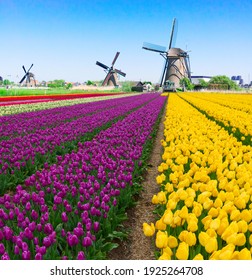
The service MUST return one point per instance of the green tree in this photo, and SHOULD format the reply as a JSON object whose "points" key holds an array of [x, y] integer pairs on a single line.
{"points": [[185, 82], [6, 82], [56, 83], [225, 81], [89, 83], [69, 86], [203, 83]]}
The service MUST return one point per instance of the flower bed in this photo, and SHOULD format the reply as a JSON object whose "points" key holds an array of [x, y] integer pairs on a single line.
{"points": [[23, 155], [71, 209], [204, 204]]}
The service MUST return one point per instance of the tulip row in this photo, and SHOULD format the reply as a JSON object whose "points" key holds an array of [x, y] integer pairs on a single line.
{"points": [[14, 108], [205, 201], [21, 156], [241, 102], [70, 209], [236, 121]]}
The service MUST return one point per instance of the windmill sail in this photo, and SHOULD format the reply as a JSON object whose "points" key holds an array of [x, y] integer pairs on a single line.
{"points": [[111, 76], [176, 64]]}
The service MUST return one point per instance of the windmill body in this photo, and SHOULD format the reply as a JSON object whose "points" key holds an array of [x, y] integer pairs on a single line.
{"points": [[111, 78], [176, 66], [28, 77]]}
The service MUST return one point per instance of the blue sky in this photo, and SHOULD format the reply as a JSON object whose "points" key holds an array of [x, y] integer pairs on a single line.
{"points": [[64, 39]]}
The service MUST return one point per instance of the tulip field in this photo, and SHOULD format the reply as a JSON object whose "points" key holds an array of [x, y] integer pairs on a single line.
{"points": [[70, 169], [67, 174], [204, 206]]}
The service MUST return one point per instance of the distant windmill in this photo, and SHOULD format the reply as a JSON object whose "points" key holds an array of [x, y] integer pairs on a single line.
{"points": [[177, 64], [28, 76], [111, 78]]}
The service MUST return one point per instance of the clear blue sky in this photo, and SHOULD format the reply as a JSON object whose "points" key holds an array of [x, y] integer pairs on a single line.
{"points": [[64, 38]]}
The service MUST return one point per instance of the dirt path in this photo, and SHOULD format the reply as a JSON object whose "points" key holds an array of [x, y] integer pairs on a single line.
{"points": [[137, 246]]}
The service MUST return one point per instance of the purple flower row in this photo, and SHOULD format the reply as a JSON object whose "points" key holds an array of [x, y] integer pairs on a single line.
{"points": [[15, 152], [61, 211]]}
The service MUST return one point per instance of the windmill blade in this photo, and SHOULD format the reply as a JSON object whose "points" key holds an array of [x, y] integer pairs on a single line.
{"points": [[23, 79], [154, 48], [115, 58], [163, 73], [30, 68], [102, 65], [173, 34], [106, 78], [120, 72], [188, 68], [24, 68]]}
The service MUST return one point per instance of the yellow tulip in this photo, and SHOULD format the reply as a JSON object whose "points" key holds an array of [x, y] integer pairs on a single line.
{"points": [[246, 215], [155, 199], [171, 204], [192, 225], [215, 224], [167, 250], [244, 254], [183, 212], [203, 238], [240, 239], [182, 252], [240, 203], [211, 245], [235, 255], [160, 225], [168, 217], [215, 255], [161, 197], [190, 238], [211, 232], [182, 235], [243, 226], [213, 212], [172, 241], [225, 255], [161, 239], [169, 187], [218, 203], [223, 225], [165, 256], [198, 257], [148, 230], [231, 239], [235, 215], [197, 210]]}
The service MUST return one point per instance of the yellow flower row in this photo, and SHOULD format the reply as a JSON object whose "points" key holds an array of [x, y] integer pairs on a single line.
{"points": [[228, 115], [205, 201], [242, 102]]}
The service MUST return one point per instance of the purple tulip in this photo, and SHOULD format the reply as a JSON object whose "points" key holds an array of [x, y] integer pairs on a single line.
{"points": [[87, 241], [2, 249], [26, 255], [81, 256], [38, 256], [64, 217], [5, 256], [72, 240]]}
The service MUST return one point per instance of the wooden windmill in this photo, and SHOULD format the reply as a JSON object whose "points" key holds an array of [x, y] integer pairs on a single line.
{"points": [[177, 64], [28, 77], [111, 78]]}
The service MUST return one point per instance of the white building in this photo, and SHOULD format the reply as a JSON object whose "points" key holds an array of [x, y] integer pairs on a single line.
{"points": [[196, 79]]}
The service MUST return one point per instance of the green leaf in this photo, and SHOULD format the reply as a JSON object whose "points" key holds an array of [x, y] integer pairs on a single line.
{"points": [[109, 246]]}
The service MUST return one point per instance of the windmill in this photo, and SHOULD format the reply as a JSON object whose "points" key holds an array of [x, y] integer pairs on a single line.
{"points": [[28, 76], [111, 78], [177, 64]]}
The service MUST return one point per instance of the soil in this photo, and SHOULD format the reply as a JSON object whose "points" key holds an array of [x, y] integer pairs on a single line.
{"points": [[138, 246]]}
